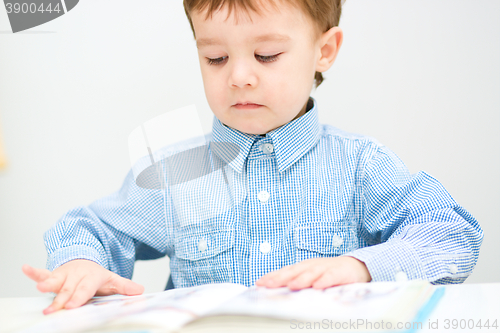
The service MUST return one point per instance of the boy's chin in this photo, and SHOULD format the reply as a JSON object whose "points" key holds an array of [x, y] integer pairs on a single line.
{"points": [[247, 126], [257, 124], [253, 130]]}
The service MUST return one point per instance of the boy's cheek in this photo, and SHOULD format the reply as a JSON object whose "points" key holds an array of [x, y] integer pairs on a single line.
{"points": [[215, 99]]}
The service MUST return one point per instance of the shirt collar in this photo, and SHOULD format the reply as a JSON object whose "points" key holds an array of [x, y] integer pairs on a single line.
{"points": [[291, 141]]}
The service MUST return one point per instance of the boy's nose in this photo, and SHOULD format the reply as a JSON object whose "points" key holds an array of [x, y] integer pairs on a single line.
{"points": [[242, 74]]}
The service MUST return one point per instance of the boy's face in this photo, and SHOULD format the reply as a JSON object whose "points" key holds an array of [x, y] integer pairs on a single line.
{"points": [[269, 62]]}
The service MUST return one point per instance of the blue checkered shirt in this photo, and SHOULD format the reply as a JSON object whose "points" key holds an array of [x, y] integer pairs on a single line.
{"points": [[303, 190]]}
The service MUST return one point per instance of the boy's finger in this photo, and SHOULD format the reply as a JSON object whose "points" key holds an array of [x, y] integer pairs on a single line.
{"points": [[52, 284], [120, 285], [85, 290], [281, 277], [329, 279], [63, 295], [306, 278], [36, 274]]}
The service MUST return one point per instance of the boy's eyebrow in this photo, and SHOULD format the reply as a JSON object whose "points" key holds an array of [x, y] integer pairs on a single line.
{"points": [[259, 39]]}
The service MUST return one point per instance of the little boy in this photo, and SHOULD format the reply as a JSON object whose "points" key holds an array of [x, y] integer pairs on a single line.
{"points": [[312, 206]]}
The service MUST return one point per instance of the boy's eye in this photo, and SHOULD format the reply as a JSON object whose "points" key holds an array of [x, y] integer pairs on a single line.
{"points": [[220, 60], [270, 58], [216, 61]]}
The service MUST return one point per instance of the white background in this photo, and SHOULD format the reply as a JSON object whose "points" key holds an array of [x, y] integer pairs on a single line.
{"points": [[421, 76]]}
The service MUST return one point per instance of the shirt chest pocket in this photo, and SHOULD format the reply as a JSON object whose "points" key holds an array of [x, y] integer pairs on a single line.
{"points": [[323, 239], [202, 258]]}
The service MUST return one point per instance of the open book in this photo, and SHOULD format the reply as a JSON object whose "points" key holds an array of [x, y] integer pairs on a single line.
{"points": [[227, 307]]}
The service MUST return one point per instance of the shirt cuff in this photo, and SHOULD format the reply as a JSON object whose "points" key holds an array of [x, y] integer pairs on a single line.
{"points": [[390, 261], [65, 254]]}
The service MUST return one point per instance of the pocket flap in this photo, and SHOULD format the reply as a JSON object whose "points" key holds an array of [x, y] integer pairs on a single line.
{"points": [[325, 237], [203, 245]]}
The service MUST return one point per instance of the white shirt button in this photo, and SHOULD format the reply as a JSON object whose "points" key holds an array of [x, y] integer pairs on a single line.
{"points": [[202, 245], [265, 247], [401, 276], [337, 241], [267, 148], [263, 196], [453, 269]]}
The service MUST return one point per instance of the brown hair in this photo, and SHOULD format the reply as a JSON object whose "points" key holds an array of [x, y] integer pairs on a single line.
{"points": [[325, 13]]}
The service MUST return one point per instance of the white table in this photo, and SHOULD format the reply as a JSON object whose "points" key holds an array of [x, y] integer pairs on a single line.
{"points": [[466, 303]]}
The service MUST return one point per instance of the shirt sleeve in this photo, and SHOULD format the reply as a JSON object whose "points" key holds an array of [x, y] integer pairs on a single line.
{"points": [[413, 226], [114, 231]]}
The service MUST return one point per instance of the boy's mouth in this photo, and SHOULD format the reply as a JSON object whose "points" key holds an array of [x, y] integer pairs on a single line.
{"points": [[246, 105]]}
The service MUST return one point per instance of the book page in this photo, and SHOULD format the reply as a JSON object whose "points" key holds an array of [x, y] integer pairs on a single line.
{"points": [[389, 301], [168, 310]]}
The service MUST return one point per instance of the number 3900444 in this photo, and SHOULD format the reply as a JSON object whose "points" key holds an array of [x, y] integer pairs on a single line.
{"points": [[32, 8]]}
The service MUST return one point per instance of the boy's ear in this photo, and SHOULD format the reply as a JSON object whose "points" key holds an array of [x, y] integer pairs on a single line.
{"points": [[329, 43]]}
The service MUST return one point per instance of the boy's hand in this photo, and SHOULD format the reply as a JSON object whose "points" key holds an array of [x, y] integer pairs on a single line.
{"points": [[77, 281], [319, 273]]}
